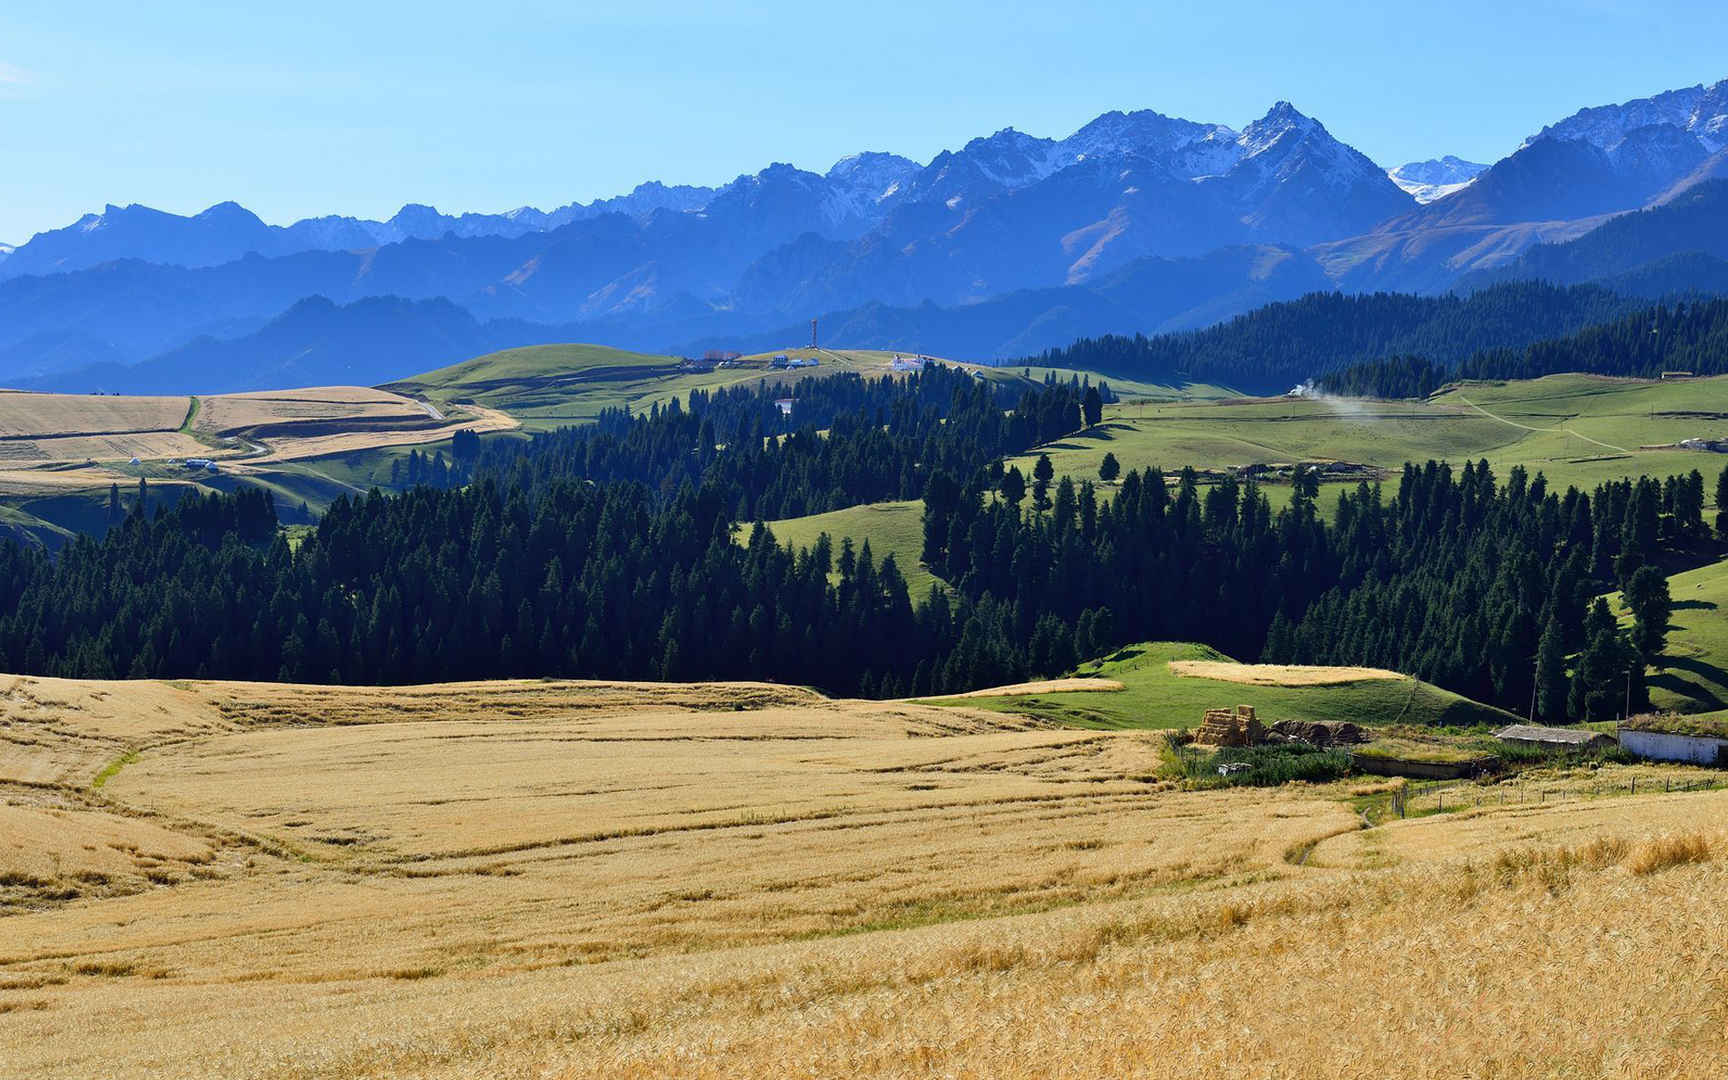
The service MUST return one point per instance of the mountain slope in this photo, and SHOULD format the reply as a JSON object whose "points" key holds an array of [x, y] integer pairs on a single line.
{"points": [[1562, 182], [1274, 347], [314, 343], [1695, 222], [1148, 295]]}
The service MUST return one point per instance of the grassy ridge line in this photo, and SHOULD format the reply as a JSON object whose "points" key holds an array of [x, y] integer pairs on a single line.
{"points": [[1156, 697], [1559, 426], [546, 386]]}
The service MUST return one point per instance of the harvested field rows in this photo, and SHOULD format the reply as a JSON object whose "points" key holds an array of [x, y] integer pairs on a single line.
{"points": [[1278, 674], [1043, 686], [572, 879], [31, 415]]}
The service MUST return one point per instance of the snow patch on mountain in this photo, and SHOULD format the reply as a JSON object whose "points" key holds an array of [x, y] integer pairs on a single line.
{"points": [[1435, 178]]}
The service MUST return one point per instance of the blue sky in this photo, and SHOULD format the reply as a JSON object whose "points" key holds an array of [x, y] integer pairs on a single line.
{"points": [[317, 107]]}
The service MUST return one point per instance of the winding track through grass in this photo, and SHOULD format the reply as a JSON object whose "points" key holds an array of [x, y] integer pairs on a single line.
{"points": [[1550, 431]]}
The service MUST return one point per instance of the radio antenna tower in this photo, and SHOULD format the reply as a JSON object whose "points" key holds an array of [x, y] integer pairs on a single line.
{"points": [[812, 333]]}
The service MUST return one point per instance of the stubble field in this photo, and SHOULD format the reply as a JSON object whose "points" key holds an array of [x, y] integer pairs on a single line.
{"points": [[590, 879]]}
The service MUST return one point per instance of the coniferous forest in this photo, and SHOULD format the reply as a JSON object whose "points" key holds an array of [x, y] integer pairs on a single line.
{"points": [[1275, 347], [1690, 337], [632, 548]]}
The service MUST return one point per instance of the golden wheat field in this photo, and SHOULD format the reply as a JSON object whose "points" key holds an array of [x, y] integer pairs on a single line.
{"points": [[29, 414], [1277, 674], [316, 421], [58, 443], [42, 434], [580, 879]]}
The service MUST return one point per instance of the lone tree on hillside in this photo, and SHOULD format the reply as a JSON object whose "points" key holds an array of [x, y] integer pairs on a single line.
{"points": [[1722, 504], [1603, 681], [1109, 469], [941, 497], [1014, 486], [1551, 672], [1092, 407], [1648, 597], [1041, 476]]}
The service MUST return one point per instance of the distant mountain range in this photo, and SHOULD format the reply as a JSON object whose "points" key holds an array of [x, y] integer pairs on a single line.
{"points": [[228, 231], [1137, 222]]}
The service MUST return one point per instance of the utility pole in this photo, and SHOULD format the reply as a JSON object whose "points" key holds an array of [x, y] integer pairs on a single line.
{"points": [[1535, 679], [1626, 713]]}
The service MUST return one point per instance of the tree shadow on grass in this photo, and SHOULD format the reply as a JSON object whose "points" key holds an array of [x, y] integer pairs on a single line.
{"points": [[1673, 679], [1093, 434]]}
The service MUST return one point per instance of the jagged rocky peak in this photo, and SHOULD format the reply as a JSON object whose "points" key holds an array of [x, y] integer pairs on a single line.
{"points": [[1699, 110], [872, 176], [1141, 131], [1282, 122]]}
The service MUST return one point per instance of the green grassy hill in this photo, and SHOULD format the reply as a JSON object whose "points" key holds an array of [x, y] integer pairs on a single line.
{"points": [[549, 385], [546, 386], [1547, 425], [1694, 675], [1575, 429], [1155, 697], [895, 528]]}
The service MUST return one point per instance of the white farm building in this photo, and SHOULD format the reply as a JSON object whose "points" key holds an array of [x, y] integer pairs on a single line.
{"points": [[1676, 738]]}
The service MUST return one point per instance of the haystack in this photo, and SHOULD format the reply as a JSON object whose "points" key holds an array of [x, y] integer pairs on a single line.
{"points": [[1230, 727]]}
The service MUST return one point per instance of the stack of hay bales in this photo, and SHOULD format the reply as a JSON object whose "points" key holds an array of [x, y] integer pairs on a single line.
{"points": [[1231, 727], [1322, 733]]}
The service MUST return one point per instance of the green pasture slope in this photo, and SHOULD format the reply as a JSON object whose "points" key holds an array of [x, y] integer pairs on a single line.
{"points": [[1693, 674], [1575, 429], [892, 528], [1155, 697], [548, 386]]}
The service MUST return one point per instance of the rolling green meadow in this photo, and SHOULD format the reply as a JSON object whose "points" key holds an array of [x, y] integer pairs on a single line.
{"points": [[1155, 697], [1574, 429]]}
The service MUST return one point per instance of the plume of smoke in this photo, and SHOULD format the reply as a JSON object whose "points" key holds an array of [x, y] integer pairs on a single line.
{"points": [[1347, 407]]}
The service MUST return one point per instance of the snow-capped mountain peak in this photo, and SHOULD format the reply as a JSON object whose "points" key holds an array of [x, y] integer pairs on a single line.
{"points": [[872, 177], [1013, 158], [1281, 124], [1143, 132], [1435, 178], [1700, 110]]}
